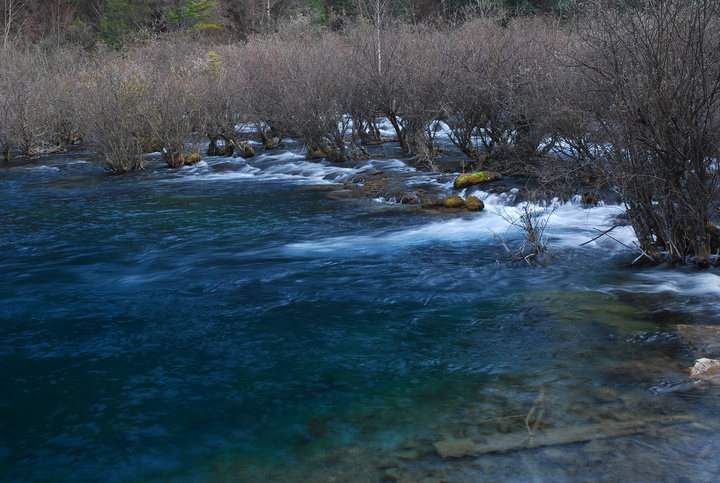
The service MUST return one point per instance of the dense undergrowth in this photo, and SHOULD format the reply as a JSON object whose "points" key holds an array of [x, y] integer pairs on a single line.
{"points": [[627, 99]]}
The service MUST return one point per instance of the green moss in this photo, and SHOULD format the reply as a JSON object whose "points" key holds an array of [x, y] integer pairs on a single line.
{"points": [[465, 180], [473, 203], [453, 201], [247, 150], [193, 158], [315, 154], [462, 180], [478, 177]]}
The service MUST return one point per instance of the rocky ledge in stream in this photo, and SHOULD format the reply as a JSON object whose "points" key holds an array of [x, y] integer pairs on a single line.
{"points": [[403, 188], [388, 186]]}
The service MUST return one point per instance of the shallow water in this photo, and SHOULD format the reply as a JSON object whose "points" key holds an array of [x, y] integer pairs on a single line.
{"points": [[230, 322]]}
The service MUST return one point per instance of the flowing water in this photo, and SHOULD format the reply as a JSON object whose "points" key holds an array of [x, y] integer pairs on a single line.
{"points": [[232, 322]]}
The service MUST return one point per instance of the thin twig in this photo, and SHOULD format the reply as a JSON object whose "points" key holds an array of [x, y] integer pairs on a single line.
{"points": [[532, 411], [600, 235]]}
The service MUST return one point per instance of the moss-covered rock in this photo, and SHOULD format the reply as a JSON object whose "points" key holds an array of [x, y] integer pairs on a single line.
{"points": [[453, 201], [192, 159], [245, 150], [470, 179], [473, 203], [315, 154]]}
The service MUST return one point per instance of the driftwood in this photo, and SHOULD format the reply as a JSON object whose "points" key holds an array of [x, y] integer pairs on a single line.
{"points": [[554, 437]]}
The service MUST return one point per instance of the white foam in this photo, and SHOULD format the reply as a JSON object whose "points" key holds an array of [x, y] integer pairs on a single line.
{"points": [[679, 283], [385, 127], [247, 172], [311, 172], [569, 226], [41, 168]]}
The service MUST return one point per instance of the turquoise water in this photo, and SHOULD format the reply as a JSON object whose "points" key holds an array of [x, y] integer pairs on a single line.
{"points": [[231, 322]]}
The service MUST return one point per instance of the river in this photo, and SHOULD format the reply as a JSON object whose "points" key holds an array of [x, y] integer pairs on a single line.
{"points": [[230, 321]]}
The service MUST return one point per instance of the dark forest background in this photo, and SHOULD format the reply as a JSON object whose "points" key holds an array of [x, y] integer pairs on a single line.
{"points": [[115, 22]]}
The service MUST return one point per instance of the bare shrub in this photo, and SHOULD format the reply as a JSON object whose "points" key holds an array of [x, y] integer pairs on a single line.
{"points": [[427, 63], [319, 97], [222, 101], [12, 90], [172, 113], [469, 94], [24, 95], [379, 57], [267, 63], [576, 111], [497, 88], [536, 42], [660, 64], [115, 115], [61, 88], [531, 224]]}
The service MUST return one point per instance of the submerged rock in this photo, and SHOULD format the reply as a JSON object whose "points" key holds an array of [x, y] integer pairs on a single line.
{"points": [[409, 198], [378, 185], [704, 339], [707, 370], [470, 179], [605, 394], [455, 448]]}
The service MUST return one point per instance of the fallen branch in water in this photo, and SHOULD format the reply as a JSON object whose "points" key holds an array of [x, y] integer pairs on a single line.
{"points": [[554, 437], [635, 248], [602, 234]]}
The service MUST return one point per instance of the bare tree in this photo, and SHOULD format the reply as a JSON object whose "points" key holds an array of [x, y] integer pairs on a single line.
{"points": [[11, 91], [172, 112], [660, 65], [224, 101], [384, 76], [115, 108], [269, 63], [377, 13], [468, 93], [12, 14], [23, 110], [320, 97]]}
